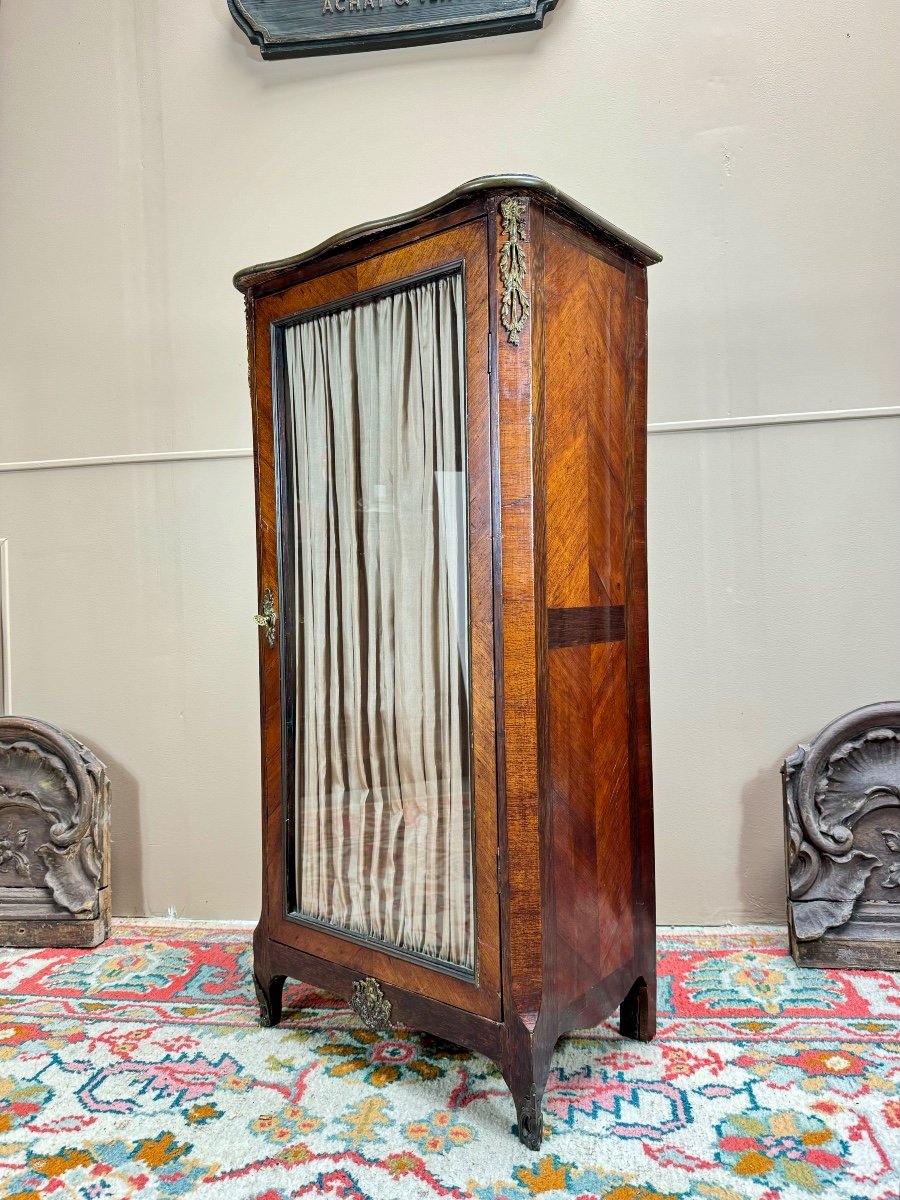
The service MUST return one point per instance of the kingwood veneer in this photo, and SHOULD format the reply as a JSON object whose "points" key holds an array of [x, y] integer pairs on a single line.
{"points": [[559, 869]]}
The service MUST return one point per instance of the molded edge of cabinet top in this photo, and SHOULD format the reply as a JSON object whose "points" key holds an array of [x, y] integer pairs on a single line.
{"points": [[527, 184]]}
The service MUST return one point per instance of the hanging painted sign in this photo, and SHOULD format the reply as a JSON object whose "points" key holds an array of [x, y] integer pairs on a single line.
{"points": [[294, 28]]}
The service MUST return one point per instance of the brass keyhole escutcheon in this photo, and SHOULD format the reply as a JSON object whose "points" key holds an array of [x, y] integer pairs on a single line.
{"points": [[268, 617]]}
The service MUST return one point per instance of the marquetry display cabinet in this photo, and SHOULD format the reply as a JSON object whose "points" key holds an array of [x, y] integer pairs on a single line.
{"points": [[450, 434]]}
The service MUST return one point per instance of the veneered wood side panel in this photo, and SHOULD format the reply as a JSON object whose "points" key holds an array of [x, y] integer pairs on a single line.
{"points": [[586, 348], [568, 372], [591, 823], [574, 828], [612, 801], [606, 437], [585, 300]]}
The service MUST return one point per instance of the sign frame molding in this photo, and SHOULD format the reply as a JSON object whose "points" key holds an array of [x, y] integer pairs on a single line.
{"points": [[523, 15]]}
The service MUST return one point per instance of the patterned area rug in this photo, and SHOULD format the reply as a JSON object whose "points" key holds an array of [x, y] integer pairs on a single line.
{"points": [[138, 1069]]}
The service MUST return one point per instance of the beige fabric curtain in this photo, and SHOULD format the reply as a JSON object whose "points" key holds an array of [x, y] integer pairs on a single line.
{"points": [[384, 824]]}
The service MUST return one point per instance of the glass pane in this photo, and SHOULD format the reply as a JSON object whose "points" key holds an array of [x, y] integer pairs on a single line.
{"points": [[383, 812]]}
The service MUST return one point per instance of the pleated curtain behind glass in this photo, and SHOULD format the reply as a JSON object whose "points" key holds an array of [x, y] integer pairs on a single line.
{"points": [[383, 790]]}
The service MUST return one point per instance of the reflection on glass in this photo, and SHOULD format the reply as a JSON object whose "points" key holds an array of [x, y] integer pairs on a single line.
{"points": [[383, 787]]}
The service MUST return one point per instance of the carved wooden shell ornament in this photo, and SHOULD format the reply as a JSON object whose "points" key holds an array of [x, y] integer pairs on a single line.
{"points": [[54, 835], [842, 816]]}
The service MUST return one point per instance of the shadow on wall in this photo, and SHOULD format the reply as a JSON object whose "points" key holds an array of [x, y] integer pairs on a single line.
{"points": [[761, 848], [126, 879]]}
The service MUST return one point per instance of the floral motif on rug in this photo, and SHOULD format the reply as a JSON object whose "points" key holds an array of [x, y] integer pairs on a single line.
{"points": [[139, 1069]]}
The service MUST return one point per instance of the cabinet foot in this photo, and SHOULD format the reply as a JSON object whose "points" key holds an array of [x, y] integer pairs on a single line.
{"points": [[637, 1013], [269, 997]]}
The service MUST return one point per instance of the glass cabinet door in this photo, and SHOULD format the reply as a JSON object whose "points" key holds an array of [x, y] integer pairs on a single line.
{"points": [[375, 499]]}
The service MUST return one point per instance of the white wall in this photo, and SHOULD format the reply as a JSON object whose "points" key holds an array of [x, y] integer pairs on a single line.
{"points": [[146, 153]]}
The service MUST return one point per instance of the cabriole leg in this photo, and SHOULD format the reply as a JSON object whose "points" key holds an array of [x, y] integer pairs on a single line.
{"points": [[269, 997]]}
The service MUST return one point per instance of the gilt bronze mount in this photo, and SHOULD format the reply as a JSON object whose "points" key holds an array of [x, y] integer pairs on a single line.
{"points": [[268, 618], [371, 1005]]}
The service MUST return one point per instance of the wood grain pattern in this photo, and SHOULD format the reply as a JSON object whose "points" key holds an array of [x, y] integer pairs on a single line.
{"points": [[558, 589], [585, 426], [519, 580], [478, 196], [587, 538], [638, 1017], [585, 626], [410, 1009], [460, 244]]}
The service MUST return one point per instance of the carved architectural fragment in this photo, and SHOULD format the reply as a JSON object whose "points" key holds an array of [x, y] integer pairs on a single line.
{"points": [[843, 842], [54, 838]]}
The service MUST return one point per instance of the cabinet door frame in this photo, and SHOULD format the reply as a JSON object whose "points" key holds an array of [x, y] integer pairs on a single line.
{"points": [[462, 247]]}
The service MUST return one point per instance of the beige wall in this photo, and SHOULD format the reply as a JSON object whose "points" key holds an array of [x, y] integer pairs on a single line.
{"points": [[146, 153]]}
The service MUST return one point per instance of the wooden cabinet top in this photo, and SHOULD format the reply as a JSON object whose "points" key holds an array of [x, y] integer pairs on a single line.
{"points": [[474, 193]]}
